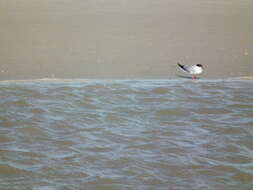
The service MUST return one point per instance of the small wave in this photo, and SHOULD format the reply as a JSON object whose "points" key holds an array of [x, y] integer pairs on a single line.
{"points": [[171, 112], [10, 171]]}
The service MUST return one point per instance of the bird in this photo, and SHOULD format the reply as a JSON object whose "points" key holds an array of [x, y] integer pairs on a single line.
{"points": [[192, 69]]}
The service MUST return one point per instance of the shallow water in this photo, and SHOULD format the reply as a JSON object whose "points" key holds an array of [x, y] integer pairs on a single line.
{"points": [[136, 134]]}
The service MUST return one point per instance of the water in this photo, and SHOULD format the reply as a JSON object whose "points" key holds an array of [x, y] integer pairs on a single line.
{"points": [[132, 134]]}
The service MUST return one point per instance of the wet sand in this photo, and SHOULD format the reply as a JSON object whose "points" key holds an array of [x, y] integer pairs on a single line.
{"points": [[124, 39]]}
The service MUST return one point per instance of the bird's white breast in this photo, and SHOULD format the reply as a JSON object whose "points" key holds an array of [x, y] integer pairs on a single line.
{"points": [[195, 70]]}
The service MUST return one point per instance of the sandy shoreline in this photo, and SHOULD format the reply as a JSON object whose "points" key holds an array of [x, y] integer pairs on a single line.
{"points": [[80, 80], [124, 39]]}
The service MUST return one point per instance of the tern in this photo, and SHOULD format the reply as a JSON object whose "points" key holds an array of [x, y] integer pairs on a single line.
{"points": [[192, 69]]}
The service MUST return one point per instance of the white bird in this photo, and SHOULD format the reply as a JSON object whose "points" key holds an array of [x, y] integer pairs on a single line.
{"points": [[192, 69]]}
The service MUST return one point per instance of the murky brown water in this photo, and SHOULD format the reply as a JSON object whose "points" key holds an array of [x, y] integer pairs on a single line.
{"points": [[174, 134]]}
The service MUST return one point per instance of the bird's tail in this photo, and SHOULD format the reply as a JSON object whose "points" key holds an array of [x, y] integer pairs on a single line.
{"points": [[181, 66]]}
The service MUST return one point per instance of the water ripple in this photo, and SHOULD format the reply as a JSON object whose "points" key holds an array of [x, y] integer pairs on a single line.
{"points": [[154, 134]]}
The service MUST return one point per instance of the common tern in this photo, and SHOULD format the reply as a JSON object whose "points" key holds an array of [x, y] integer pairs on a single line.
{"points": [[192, 69]]}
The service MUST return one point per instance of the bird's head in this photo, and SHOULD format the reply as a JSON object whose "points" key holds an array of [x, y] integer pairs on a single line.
{"points": [[199, 65]]}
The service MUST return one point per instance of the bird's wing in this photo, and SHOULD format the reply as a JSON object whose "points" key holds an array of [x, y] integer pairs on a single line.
{"points": [[183, 67]]}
